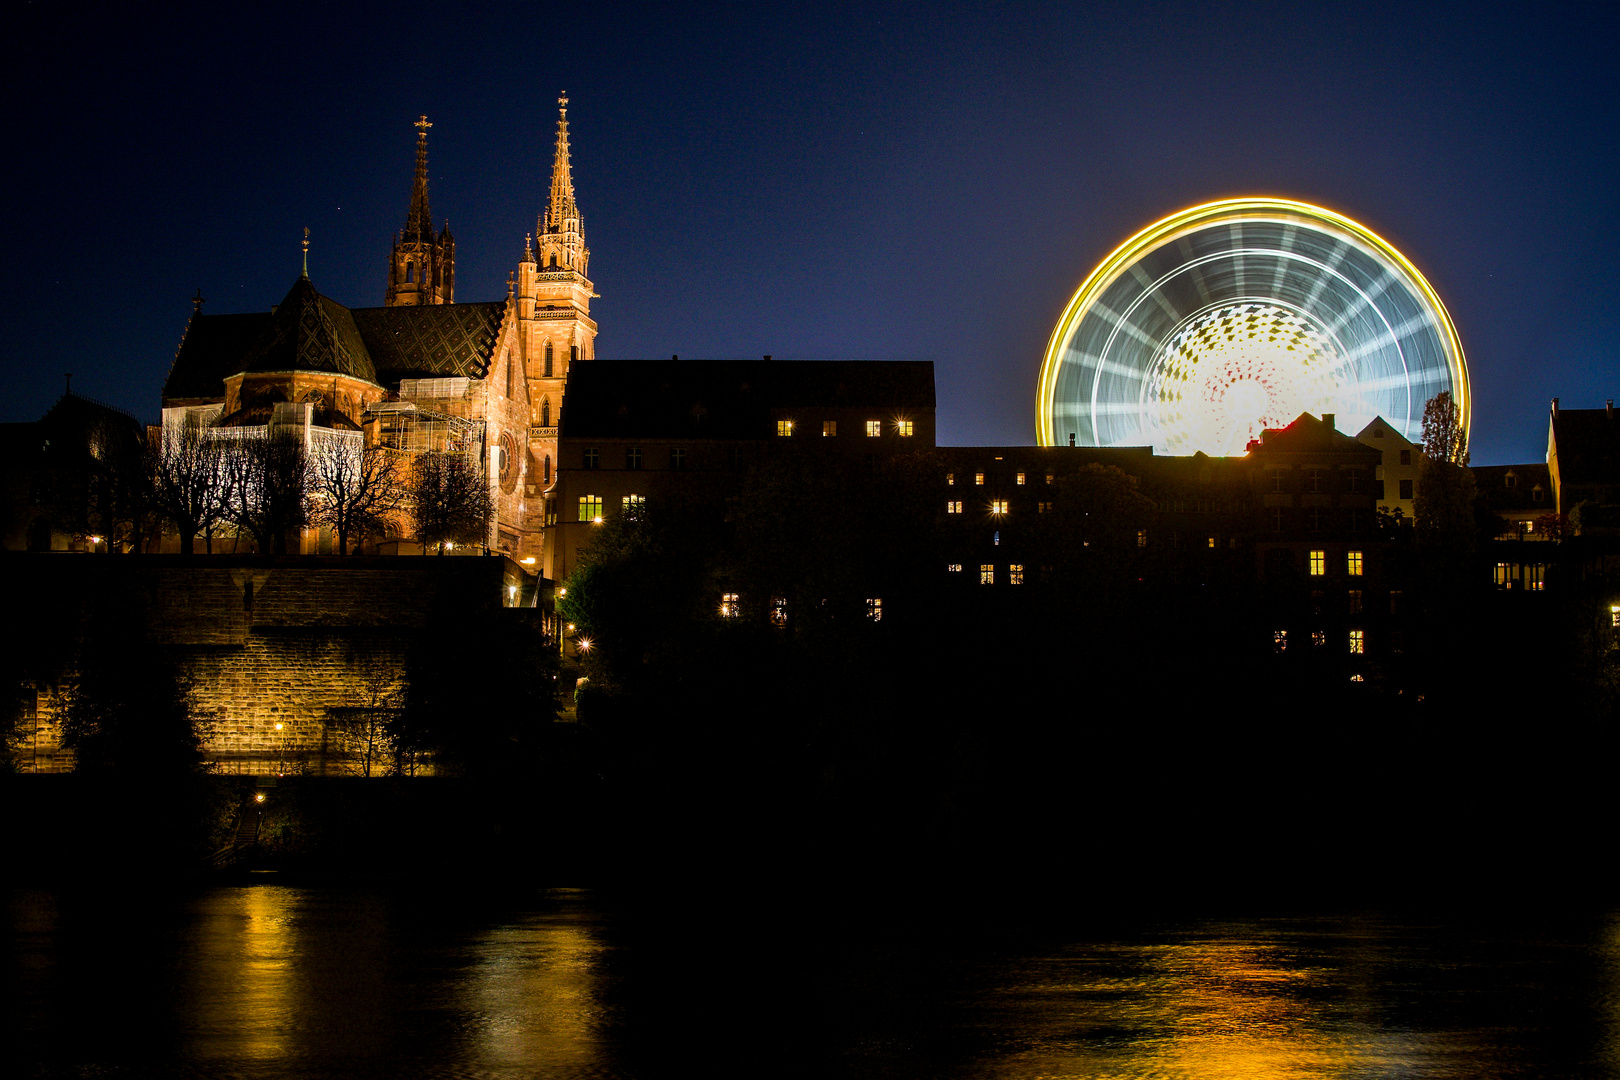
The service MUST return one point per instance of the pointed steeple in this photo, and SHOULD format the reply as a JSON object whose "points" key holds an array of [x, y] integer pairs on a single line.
{"points": [[560, 230], [561, 210], [419, 220], [421, 269]]}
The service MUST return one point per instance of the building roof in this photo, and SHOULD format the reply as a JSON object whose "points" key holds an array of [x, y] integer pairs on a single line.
{"points": [[730, 399], [1512, 487], [1310, 435], [432, 341], [1587, 442], [311, 332]]}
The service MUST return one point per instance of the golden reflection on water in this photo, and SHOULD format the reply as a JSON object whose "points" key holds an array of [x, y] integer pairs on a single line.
{"points": [[244, 960], [533, 996], [1226, 1006]]}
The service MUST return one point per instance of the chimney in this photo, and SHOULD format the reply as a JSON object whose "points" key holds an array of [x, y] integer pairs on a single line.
{"points": [[1610, 408], [1328, 418], [1071, 438], [768, 356], [1555, 406]]}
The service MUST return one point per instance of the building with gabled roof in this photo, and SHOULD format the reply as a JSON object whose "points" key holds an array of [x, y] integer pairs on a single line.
{"points": [[421, 372]]}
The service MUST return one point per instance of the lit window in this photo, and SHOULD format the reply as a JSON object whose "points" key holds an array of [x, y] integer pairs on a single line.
{"points": [[1020, 478], [1015, 574], [1141, 538], [903, 428], [1358, 642], [874, 608], [874, 429], [998, 506], [997, 539], [634, 507], [778, 611], [590, 508], [987, 576], [950, 479], [1043, 508], [953, 568], [1535, 577], [593, 458], [730, 606], [954, 507], [1318, 563], [1319, 638], [1353, 563], [784, 428], [978, 478], [632, 457], [1353, 603], [1212, 541], [1614, 614], [1505, 575], [829, 428], [677, 457], [1279, 640], [1050, 478]]}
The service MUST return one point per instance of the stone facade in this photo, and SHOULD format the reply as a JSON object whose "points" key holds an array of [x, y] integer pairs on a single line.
{"points": [[288, 641]]}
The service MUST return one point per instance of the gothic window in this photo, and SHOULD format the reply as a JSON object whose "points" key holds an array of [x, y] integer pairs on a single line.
{"points": [[410, 273], [548, 468], [548, 359], [545, 412], [554, 261], [509, 379]]}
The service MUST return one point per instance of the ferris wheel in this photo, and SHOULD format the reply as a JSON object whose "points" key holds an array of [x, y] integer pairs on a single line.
{"points": [[1235, 316]]}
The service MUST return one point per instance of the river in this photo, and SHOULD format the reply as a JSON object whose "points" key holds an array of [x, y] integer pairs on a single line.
{"points": [[269, 980]]}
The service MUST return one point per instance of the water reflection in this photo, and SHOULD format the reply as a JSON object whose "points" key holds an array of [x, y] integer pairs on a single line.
{"points": [[274, 981]]}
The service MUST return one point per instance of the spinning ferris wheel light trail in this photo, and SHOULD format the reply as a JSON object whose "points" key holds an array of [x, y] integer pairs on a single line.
{"points": [[1234, 316]]}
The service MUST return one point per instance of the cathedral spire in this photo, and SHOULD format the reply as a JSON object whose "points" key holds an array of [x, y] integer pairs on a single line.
{"points": [[419, 221], [421, 269], [561, 209]]}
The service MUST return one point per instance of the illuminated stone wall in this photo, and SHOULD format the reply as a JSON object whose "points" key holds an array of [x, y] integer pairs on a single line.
{"points": [[279, 640]]}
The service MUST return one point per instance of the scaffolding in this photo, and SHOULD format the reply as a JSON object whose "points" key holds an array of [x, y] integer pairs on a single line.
{"points": [[407, 427]]}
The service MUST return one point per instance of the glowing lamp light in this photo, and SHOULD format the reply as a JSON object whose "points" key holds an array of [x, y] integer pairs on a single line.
{"points": [[278, 725], [597, 520], [584, 644], [563, 591], [258, 796], [529, 561], [570, 628]]}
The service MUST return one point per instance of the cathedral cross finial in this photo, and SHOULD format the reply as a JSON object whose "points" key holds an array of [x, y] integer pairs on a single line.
{"points": [[423, 124], [306, 253], [197, 301]]}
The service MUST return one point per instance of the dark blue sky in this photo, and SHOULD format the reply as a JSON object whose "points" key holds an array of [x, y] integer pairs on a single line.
{"points": [[915, 182]]}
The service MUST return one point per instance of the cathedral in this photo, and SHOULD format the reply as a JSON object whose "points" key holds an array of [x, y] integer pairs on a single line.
{"points": [[422, 372]]}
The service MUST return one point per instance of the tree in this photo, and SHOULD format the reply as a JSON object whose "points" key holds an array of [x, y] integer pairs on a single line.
{"points": [[449, 500], [368, 729], [188, 481], [356, 490], [268, 480], [1443, 504]]}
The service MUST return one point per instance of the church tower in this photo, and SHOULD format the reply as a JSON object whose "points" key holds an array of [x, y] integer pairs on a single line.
{"points": [[422, 269], [554, 296]]}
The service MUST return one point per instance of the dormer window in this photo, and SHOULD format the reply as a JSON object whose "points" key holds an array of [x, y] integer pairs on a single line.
{"points": [[1511, 480]]}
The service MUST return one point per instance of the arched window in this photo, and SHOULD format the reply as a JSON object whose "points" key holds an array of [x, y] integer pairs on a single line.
{"points": [[553, 261], [548, 468], [508, 378], [545, 413], [548, 359], [410, 273]]}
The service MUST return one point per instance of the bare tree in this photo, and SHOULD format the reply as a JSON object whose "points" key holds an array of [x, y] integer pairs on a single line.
{"points": [[187, 477], [268, 487], [450, 501], [356, 490]]}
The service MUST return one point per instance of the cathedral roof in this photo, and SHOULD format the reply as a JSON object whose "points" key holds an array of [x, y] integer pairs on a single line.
{"points": [[309, 332], [432, 341]]}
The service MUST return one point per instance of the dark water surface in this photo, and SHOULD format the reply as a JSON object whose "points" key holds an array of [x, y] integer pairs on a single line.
{"points": [[270, 980]]}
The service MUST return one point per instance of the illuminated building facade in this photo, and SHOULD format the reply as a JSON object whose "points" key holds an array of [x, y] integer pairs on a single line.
{"points": [[420, 373], [1223, 320]]}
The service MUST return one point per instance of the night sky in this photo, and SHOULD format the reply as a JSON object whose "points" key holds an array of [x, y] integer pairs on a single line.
{"points": [[917, 182]]}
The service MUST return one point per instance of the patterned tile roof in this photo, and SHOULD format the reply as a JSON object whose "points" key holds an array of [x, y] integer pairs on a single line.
{"points": [[432, 341], [309, 332]]}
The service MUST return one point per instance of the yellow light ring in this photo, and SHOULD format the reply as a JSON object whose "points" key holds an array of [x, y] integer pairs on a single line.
{"points": [[1194, 218]]}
